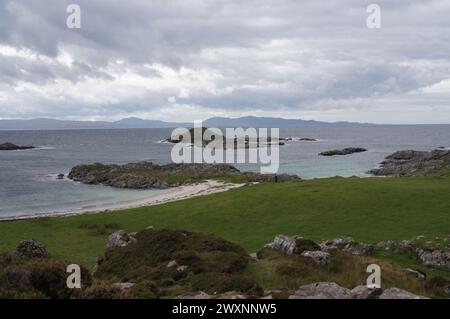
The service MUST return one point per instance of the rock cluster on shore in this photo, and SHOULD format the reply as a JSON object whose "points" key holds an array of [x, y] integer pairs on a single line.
{"points": [[13, 147], [411, 163], [146, 175], [345, 151]]}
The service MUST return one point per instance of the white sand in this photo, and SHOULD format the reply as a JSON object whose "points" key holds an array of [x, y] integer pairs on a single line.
{"points": [[169, 195]]}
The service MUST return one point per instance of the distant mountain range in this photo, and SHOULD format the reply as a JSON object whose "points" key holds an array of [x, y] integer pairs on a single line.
{"points": [[133, 122]]}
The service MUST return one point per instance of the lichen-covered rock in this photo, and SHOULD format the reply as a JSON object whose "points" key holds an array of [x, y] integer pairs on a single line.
{"points": [[32, 249], [387, 244], [321, 258], [413, 163], [436, 258], [322, 290], [396, 293], [338, 243], [120, 239], [359, 249], [292, 245]]}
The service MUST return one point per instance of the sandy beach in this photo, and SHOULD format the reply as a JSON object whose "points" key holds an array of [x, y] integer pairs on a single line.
{"points": [[170, 195]]}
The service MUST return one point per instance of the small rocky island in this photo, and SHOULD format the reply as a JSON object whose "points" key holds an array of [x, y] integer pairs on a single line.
{"points": [[411, 163], [345, 151], [13, 147], [247, 143], [147, 175]]}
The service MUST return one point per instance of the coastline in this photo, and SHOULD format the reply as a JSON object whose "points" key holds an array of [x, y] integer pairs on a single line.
{"points": [[173, 194]]}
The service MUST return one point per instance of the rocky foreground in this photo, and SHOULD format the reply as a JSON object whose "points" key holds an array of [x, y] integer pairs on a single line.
{"points": [[146, 175], [13, 147], [163, 263], [411, 163]]}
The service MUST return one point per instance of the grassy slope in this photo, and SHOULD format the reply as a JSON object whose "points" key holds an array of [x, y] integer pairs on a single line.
{"points": [[369, 209]]}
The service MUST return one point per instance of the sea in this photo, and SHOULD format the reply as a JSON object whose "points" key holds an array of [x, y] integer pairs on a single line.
{"points": [[29, 184]]}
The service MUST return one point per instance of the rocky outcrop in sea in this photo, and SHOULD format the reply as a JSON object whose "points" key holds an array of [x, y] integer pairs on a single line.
{"points": [[345, 151], [147, 175], [411, 163], [13, 147]]}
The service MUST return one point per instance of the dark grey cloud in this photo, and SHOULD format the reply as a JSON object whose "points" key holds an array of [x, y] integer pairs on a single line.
{"points": [[148, 58]]}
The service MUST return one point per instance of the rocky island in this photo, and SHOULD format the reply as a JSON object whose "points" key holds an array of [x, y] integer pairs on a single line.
{"points": [[345, 151], [411, 163], [147, 175], [13, 147], [247, 143]]}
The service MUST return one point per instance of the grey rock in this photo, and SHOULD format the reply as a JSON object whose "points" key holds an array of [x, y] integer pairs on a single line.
{"points": [[417, 273], [32, 249], [396, 293], [321, 258], [254, 256], [195, 295], [338, 243], [292, 245], [120, 239], [412, 163], [345, 151], [13, 147], [436, 258], [387, 244], [230, 295], [322, 290], [182, 268], [364, 292], [359, 249], [124, 285]]}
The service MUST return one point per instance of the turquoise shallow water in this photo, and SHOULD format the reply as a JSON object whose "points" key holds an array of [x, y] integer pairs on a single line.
{"points": [[28, 182]]}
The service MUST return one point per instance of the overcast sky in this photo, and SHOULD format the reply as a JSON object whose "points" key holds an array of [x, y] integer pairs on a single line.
{"points": [[193, 59]]}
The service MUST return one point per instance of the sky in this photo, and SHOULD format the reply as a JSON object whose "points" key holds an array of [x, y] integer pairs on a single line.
{"points": [[183, 60]]}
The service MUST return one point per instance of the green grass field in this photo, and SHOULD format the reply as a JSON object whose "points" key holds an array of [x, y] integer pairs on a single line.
{"points": [[369, 209]]}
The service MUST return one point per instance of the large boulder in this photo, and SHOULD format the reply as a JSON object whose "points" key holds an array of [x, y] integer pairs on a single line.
{"points": [[396, 293], [347, 244], [436, 258], [292, 245], [32, 249], [120, 239], [360, 249], [322, 290], [338, 243], [364, 292], [321, 258]]}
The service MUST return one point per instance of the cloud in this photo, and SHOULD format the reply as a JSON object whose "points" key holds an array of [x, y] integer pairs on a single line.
{"points": [[201, 58]]}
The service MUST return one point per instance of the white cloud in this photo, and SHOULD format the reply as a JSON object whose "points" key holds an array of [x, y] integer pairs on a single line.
{"points": [[176, 60]]}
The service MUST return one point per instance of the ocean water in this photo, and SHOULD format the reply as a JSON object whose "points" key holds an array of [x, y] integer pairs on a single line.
{"points": [[28, 184]]}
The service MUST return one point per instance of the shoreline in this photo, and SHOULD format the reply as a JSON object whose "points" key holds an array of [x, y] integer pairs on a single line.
{"points": [[173, 194]]}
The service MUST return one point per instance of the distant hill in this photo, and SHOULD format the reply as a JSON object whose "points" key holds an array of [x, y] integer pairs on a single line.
{"points": [[253, 121], [137, 122], [52, 124], [134, 122]]}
